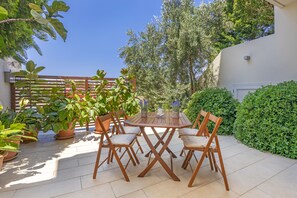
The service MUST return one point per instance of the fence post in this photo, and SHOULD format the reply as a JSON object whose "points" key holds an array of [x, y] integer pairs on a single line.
{"points": [[12, 96]]}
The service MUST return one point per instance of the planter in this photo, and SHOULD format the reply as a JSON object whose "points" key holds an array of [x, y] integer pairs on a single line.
{"points": [[106, 124], [11, 155], [1, 159], [66, 134]]}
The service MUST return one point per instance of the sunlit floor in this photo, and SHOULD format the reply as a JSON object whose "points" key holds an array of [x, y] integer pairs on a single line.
{"points": [[64, 168]]}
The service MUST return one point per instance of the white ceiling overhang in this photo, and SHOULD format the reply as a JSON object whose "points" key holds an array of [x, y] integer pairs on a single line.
{"points": [[281, 3]]}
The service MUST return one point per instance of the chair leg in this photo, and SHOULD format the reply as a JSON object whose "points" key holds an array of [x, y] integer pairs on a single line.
{"points": [[134, 154], [131, 157], [181, 152], [223, 169], [109, 156], [120, 164], [139, 146], [98, 158], [187, 159], [214, 161], [210, 160], [197, 169]]}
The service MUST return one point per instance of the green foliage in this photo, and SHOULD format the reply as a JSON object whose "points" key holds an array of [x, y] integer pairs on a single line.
{"points": [[266, 119], [22, 21], [219, 102], [10, 131], [252, 19], [62, 110]]}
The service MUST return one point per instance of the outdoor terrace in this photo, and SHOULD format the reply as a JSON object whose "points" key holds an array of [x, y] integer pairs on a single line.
{"points": [[51, 168]]}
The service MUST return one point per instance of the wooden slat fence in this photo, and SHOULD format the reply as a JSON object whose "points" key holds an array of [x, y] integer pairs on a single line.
{"points": [[41, 89]]}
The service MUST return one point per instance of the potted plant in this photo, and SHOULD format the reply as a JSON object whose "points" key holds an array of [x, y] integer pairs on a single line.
{"points": [[10, 135], [30, 90], [100, 104], [62, 112]]}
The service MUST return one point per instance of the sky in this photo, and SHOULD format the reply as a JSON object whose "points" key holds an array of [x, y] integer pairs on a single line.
{"points": [[96, 31]]}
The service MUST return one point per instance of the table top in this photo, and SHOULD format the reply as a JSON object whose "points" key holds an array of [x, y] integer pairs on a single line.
{"points": [[165, 121]]}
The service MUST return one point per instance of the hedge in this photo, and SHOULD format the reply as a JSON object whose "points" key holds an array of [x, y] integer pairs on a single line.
{"points": [[219, 102], [267, 119]]}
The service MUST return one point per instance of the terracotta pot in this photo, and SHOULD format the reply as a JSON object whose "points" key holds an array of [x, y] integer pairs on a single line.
{"points": [[1, 159], [106, 124], [11, 155], [66, 134]]}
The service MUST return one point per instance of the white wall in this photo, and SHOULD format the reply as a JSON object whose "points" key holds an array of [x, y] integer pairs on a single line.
{"points": [[273, 58], [4, 87]]}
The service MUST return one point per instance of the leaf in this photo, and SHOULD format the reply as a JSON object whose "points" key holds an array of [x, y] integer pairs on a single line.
{"points": [[30, 66], [59, 27], [38, 17], [3, 13], [59, 6], [39, 69], [35, 7]]}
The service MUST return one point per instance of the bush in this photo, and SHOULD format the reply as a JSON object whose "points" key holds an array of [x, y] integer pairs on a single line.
{"points": [[219, 102], [267, 119]]}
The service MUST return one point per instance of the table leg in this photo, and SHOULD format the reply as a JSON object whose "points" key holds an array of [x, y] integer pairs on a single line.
{"points": [[158, 155], [160, 141]]}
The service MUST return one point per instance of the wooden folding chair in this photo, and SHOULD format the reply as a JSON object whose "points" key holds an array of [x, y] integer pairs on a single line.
{"points": [[121, 129], [196, 126], [113, 143], [205, 144]]}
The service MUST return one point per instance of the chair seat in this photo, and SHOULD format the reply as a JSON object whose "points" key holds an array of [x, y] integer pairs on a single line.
{"points": [[121, 140], [196, 142], [131, 130], [187, 131]]}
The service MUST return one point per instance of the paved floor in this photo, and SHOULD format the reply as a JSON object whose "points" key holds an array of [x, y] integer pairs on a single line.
{"points": [[63, 169]]}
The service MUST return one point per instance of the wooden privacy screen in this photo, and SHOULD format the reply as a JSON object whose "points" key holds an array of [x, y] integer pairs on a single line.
{"points": [[41, 88]]}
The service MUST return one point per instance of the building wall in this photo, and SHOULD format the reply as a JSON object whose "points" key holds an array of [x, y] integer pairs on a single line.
{"points": [[4, 87], [273, 58]]}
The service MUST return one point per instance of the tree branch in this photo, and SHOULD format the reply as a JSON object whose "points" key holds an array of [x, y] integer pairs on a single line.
{"points": [[15, 20]]}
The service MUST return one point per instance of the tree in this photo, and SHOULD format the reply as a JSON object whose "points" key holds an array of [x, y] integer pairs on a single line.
{"points": [[252, 19], [22, 21]]}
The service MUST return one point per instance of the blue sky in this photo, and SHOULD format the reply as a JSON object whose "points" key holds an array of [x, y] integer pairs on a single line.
{"points": [[96, 31]]}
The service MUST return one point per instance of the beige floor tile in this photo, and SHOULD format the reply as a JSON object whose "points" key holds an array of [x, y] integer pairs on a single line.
{"points": [[50, 190], [8, 194], [254, 193], [212, 190], [283, 184], [137, 194], [94, 192], [121, 187]]}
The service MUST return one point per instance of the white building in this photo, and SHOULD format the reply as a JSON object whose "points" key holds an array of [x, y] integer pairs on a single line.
{"points": [[273, 58]]}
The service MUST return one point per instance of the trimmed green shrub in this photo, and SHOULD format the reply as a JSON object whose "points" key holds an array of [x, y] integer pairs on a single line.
{"points": [[219, 102], [267, 119]]}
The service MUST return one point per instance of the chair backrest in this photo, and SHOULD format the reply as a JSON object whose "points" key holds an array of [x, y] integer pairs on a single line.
{"points": [[117, 121], [202, 126], [217, 122]]}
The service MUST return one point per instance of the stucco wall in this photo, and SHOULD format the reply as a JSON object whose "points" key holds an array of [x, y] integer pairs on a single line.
{"points": [[4, 87], [273, 58]]}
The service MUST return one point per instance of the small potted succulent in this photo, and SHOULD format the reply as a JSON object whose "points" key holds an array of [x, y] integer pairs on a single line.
{"points": [[62, 112]]}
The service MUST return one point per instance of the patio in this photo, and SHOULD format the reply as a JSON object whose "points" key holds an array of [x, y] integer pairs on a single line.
{"points": [[52, 168]]}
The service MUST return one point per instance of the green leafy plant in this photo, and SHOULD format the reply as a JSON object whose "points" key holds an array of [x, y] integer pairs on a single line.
{"points": [[219, 102], [63, 110], [10, 131], [266, 119], [30, 90]]}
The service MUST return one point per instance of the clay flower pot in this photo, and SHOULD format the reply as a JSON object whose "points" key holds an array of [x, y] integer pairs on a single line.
{"points": [[11, 155], [106, 124], [2, 158], [31, 134], [66, 134]]}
